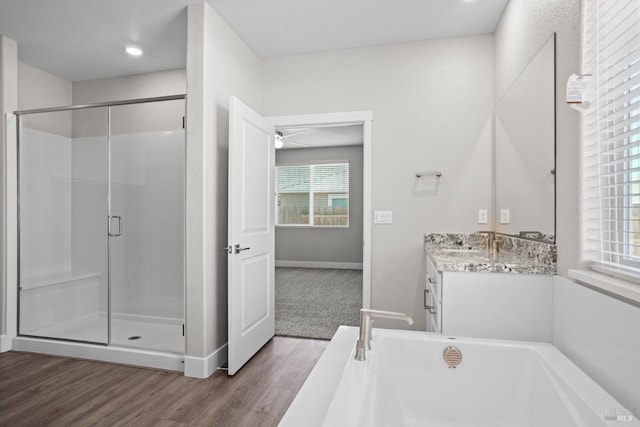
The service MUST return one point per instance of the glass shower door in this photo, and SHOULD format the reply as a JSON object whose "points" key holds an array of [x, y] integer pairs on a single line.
{"points": [[147, 195], [63, 248]]}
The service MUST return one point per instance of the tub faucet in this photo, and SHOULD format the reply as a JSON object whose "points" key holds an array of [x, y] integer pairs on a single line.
{"points": [[366, 320]]}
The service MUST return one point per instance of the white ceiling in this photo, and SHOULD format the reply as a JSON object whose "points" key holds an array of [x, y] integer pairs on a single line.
{"points": [[85, 39], [322, 136], [285, 27]]}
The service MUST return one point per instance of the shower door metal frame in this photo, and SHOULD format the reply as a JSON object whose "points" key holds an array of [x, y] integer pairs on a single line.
{"points": [[108, 105]]}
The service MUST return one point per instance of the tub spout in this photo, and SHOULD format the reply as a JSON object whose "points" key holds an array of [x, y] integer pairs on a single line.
{"points": [[366, 319]]}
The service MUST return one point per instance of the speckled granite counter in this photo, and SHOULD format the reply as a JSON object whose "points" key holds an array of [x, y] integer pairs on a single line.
{"points": [[467, 252]]}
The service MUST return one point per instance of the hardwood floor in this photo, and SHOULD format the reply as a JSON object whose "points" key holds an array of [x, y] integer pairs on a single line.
{"points": [[38, 390]]}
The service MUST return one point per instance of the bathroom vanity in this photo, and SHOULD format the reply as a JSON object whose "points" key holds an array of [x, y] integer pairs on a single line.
{"points": [[476, 292]]}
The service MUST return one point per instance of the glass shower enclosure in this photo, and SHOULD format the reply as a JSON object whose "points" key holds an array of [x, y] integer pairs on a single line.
{"points": [[101, 194]]}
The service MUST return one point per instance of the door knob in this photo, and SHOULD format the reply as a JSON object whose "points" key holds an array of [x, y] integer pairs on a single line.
{"points": [[238, 249]]}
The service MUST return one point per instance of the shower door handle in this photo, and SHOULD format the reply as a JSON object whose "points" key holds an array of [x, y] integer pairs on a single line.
{"points": [[119, 232]]}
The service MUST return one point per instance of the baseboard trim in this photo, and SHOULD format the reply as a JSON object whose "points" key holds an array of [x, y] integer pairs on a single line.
{"points": [[320, 264], [204, 367], [5, 343]]}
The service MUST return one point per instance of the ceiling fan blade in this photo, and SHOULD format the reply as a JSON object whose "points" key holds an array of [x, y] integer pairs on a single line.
{"points": [[297, 132], [296, 143]]}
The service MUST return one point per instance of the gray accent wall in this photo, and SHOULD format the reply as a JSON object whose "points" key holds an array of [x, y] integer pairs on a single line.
{"points": [[313, 244]]}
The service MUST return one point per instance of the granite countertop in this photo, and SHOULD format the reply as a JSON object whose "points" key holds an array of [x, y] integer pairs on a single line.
{"points": [[468, 252], [482, 260]]}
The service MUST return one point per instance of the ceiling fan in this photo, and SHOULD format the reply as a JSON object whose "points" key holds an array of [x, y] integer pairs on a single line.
{"points": [[282, 139]]}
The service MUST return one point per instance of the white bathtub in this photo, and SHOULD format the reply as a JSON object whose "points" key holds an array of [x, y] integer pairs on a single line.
{"points": [[406, 382]]}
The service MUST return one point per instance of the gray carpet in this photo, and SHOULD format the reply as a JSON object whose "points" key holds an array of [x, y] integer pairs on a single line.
{"points": [[313, 302]]}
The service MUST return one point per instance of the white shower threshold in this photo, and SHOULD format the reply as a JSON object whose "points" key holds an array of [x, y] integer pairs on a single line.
{"points": [[111, 354], [157, 342], [141, 332]]}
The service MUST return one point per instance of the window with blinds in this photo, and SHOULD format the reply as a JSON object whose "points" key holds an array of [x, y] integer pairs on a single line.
{"points": [[611, 136], [313, 195]]}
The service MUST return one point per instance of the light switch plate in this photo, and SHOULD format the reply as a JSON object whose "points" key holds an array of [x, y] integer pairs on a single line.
{"points": [[383, 217], [505, 216], [483, 216]]}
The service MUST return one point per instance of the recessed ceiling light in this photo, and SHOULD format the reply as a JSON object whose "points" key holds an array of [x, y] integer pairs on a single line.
{"points": [[133, 51]]}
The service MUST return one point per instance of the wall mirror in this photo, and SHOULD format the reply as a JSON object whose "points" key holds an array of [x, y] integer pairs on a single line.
{"points": [[525, 150]]}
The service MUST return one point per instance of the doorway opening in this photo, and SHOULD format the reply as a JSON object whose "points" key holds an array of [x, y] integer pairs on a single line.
{"points": [[322, 237]]}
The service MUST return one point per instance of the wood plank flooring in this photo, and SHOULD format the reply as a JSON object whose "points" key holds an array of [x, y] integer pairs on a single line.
{"points": [[38, 390]]}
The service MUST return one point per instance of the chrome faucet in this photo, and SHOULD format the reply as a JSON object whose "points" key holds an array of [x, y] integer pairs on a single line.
{"points": [[491, 240], [366, 321]]}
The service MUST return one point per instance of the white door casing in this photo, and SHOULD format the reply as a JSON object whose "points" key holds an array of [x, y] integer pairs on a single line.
{"points": [[251, 234]]}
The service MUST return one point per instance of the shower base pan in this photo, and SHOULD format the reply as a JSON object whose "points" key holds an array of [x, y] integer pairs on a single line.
{"points": [[157, 345]]}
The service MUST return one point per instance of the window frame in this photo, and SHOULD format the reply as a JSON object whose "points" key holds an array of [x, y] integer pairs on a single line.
{"points": [[310, 164], [611, 140]]}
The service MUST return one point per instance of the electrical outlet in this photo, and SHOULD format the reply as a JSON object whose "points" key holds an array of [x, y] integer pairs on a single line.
{"points": [[483, 216], [383, 217], [505, 216]]}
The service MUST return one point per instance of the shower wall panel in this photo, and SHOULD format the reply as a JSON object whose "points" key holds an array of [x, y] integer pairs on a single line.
{"points": [[45, 187], [61, 297], [147, 187], [75, 279]]}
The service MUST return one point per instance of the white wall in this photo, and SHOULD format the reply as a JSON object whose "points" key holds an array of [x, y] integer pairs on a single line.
{"points": [[600, 335], [147, 167], [524, 142], [46, 170], [432, 105], [148, 182], [45, 204], [40, 89], [132, 118], [147, 260], [219, 64], [35, 89], [8, 103], [598, 332], [341, 245]]}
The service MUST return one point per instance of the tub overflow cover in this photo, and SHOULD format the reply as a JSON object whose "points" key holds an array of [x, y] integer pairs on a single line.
{"points": [[452, 356]]}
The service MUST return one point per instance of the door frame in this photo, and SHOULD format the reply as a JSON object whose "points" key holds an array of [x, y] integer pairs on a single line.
{"points": [[365, 118]]}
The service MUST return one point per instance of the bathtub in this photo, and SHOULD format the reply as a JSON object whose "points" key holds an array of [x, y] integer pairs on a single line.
{"points": [[405, 381]]}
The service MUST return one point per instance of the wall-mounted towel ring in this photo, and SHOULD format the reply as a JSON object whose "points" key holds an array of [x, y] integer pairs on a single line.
{"points": [[421, 174]]}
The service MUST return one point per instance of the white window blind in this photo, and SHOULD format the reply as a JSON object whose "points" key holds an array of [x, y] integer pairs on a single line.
{"points": [[313, 195], [611, 136]]}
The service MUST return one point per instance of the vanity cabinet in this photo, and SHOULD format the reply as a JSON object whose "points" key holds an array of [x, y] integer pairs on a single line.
{"points": [[433, 298], [489, 305]]}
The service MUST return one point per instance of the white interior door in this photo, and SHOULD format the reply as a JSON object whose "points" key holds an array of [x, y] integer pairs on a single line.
{"points": [[251, 233]]}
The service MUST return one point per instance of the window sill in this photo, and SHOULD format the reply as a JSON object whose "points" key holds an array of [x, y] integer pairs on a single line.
{"points": [[618, 288]]}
